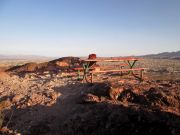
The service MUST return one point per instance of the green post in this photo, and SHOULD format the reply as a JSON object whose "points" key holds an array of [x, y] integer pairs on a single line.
{"points": [[79, 76], [131, 65]]}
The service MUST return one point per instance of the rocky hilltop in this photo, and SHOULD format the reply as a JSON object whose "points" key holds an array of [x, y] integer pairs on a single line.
{"points": [[47, 99], [63, 63]]}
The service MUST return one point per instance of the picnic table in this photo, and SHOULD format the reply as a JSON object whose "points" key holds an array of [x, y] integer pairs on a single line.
{"points": [[89, 67]]}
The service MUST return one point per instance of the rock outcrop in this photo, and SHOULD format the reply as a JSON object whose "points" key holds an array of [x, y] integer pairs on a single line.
{"points": [[65, 63]]}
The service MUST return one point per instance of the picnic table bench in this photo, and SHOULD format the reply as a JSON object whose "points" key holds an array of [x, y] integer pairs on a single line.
{"points": [[89, 67]]}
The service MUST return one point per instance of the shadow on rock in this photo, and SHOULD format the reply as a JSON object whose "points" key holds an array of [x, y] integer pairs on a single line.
{"points": [[102, 116], [109, 119]]}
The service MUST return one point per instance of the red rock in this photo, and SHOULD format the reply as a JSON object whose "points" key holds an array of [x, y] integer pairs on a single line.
{"points": [[90, 98], [17, 98], [92, 56]]}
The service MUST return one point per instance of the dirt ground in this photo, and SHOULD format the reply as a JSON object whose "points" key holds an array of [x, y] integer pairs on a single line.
{"points": [[58, 104], [42, 104]]}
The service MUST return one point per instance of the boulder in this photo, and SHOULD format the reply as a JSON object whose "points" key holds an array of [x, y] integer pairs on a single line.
{"points": [[90, 98], [29, 67], [53, 95], [110, 90], [4, 75], [17, 98], [63, 63]]}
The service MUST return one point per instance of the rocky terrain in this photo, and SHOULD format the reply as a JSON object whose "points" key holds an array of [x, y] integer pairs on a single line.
{"points": [[53, 103], [64, 63]]}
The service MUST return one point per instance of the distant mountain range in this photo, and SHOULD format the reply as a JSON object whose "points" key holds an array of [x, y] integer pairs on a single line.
{"points": [[24, 57], [164, 55]]}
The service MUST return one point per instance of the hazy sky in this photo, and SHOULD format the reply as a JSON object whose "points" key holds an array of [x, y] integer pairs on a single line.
{"points": [[80, 27]]}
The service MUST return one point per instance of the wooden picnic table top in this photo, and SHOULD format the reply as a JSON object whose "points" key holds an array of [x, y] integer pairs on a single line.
{"points": [[112, 59]]}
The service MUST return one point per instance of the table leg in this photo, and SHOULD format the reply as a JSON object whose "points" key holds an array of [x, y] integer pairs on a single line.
{"points": [[141, 74], [91, 77], [121, 71], [79, 76], [85, 69], [131, 65], [87, 75]]}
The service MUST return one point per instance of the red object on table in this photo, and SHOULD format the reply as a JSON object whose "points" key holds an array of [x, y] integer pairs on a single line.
{"points": [[92, 56]]}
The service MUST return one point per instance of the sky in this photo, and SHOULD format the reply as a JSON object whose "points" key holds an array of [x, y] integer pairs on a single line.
{"points": [[80, 27]]}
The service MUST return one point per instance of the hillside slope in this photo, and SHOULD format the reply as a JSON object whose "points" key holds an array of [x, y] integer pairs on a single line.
{"points": [[165, 55]]}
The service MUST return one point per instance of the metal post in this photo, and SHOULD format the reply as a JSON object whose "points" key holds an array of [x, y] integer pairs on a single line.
{"points": [[141, 74], [79, 77], [131, 65], [121, 71]]}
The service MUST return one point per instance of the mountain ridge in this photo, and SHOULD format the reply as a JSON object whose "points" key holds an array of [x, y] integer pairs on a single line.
{"points": [[164, 55], [24, 57]]}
